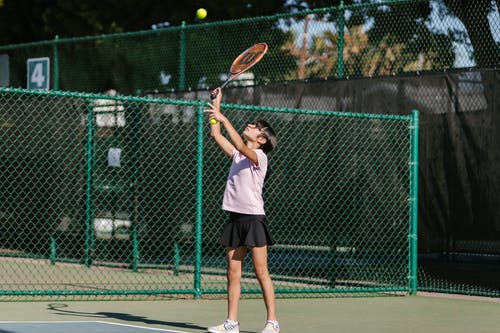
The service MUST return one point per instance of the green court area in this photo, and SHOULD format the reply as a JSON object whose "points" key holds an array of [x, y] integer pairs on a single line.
{"points": [[424, 313]]}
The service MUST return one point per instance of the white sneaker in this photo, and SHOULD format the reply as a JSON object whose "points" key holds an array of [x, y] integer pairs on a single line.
{"points": [[271, 327], [228, 326]]}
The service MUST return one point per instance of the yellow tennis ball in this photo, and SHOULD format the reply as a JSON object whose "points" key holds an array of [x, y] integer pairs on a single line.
{"points": [[201, 13], [213, 121]]}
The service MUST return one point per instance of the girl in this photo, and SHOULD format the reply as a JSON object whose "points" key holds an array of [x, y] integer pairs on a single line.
{"points": [[247, 228]]}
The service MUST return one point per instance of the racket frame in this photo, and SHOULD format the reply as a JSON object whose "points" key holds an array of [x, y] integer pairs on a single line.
{"points": [[243, 62]]}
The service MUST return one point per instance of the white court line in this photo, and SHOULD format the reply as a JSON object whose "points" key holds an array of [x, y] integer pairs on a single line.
{"points": [[88, 321], [147, 328], [45, 321]]}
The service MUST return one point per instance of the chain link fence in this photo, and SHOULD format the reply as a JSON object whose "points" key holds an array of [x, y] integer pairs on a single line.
{"points": [[378, 39], [108, 196], [459, 229], [104, 169]]}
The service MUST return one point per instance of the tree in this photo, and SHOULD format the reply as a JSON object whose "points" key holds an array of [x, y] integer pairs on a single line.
{"points": [[139, 61], [474, 16], [44, 19], [377, 40], [319, 60]]}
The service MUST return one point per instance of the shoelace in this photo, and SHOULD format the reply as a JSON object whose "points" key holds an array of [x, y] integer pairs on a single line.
{"points": [[229, 326], [272, 327]]}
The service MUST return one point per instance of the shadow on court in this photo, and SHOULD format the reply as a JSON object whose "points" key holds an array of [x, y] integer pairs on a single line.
{"points": [[60, 309]]}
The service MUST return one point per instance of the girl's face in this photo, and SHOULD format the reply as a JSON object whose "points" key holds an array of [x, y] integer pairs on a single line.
{"points": [[252, 132]]}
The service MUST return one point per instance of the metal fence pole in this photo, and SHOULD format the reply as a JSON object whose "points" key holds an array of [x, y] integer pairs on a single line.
{"points": [[182, 57], [340, 56], [88, 187], [413, 201], [55, 65], [199, 204], [135, 185]]}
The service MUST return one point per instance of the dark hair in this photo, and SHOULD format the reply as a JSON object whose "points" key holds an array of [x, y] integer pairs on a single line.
{"points": [[268, 133]]}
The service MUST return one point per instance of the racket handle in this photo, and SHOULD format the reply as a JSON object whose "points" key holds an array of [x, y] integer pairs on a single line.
{"points": [[212, 95]]}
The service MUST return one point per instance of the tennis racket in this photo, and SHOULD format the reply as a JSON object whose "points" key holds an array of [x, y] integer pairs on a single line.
{"points": [[244, 62]]}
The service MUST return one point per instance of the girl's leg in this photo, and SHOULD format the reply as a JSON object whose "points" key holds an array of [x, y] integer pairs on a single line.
{"points": [[259, 259], [235, 256]]}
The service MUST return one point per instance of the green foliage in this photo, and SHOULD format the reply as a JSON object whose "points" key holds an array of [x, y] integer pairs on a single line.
{"points": [[44, 19]]}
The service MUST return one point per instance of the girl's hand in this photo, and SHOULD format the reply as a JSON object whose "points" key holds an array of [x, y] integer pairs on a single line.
{"points": [[216, 95], [214, 111]]}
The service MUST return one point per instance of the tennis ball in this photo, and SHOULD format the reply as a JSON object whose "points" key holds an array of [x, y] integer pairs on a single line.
{"points": [[213, 121], [201, 13]]}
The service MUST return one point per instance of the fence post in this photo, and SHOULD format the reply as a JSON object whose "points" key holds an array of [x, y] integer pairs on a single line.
{"points": [[199, 204], [53, 250], [135, 127], [177, 258], [413, 202], [55, 66], [340, 55], [182, 57], [88, 188]]}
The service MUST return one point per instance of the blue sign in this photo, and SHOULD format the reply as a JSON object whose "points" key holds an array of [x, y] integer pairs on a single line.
{"points": [[38, 77]]}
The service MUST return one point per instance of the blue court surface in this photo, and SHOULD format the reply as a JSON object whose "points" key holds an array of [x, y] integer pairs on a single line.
{"points": [[75, 327]]}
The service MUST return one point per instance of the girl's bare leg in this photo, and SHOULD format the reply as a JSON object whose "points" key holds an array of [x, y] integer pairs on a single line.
{"points": [[235, 256], [259, 259]]}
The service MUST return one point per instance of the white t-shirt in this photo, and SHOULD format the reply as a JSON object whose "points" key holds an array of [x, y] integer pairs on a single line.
{"points": [[243, 193]]}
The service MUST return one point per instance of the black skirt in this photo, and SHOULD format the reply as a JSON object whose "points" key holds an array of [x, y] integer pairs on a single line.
{"points": [[246, 230]]}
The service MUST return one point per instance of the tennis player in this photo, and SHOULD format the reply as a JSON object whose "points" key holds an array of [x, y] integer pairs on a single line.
{"points": [[247, 228]]}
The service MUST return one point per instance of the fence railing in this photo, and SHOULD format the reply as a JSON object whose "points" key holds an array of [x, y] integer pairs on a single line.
{"points": [[117, 196]]}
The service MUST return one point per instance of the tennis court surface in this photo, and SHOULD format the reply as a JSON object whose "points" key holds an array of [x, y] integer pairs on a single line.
{"points": [[412, 314], [74, 327]]}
